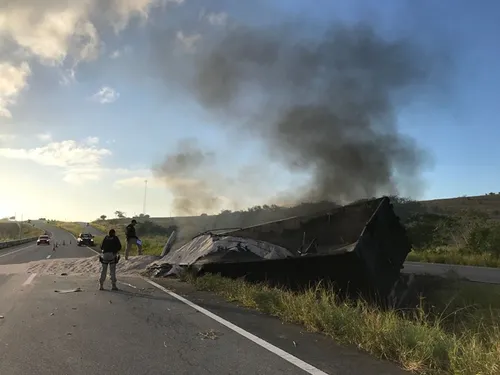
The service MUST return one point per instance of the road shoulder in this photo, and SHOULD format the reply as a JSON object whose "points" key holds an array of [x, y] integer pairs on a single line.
{"points": [[316, 349]]}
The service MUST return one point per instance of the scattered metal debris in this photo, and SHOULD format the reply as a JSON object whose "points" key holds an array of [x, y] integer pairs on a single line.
{"points": [[127, 284], [211, 334]]}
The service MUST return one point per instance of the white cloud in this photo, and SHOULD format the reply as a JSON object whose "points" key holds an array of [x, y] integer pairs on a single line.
{"points": [[216, 19], [13, 79], [68, 76], [51, 32], [115, 54], [7, 137], [58, 33], [188, 42], [79, 161], [92, 140], [45, 137], [106, 95]]}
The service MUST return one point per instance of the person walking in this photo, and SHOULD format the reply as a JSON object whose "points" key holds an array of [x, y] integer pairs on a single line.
{"points": [[110, 248], [132, 239]]}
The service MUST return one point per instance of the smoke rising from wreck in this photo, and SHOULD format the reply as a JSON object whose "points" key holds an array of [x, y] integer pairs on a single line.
{"points": [[323, 106], [186, 173]]}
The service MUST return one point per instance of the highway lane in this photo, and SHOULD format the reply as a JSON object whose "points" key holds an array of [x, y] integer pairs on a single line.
{"points": [[31, 252], [478, 274], [142, 330]]}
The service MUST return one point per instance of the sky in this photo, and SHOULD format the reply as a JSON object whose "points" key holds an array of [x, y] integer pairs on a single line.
{"points": [[88, 109]]}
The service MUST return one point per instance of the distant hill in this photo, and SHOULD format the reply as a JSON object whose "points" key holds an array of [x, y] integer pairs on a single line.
{"points": [[189, 226], [488, 204]]}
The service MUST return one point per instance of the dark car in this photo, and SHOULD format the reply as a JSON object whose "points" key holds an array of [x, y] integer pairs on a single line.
{"points": [[43, 240], [85, 239]]}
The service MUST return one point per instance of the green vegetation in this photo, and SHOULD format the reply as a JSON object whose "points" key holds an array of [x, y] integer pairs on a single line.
{"points": [[10, 231], [466, 236], [153, 236], [455, 331]]}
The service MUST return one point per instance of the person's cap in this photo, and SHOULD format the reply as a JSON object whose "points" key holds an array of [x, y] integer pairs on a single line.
{"points": [[134, 221], [112, 232]]}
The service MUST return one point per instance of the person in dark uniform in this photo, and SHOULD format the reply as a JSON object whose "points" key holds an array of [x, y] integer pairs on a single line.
{"points": [[132, 239], [110, 248]]}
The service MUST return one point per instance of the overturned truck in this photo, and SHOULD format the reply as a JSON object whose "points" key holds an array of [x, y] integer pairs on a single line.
{"points": [[360, 247]]}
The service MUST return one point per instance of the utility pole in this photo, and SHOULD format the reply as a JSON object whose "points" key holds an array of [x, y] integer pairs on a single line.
{"points": [[20, 225], [145, 192]]}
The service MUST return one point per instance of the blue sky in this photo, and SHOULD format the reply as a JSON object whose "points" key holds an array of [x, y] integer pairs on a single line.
{"points": [[67, 153]]}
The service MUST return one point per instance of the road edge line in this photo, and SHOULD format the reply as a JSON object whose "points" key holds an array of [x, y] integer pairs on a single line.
{"points": [[310, 369], [16, 251]]}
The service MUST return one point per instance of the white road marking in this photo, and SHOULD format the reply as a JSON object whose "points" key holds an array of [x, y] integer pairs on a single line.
{"points": [[16, 251], [310, 369], [30, 279]]}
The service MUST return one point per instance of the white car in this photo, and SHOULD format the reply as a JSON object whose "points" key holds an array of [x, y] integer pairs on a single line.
{"points": [[43, 240]]}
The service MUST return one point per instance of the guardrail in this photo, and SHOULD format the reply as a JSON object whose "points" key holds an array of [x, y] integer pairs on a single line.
{"points": [[4, 245]]}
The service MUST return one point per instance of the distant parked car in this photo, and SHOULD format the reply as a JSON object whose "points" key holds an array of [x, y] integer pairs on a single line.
{"points": [[85, 239], [43, 240]]}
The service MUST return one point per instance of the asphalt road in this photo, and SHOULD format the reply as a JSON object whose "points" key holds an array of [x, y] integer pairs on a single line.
{"points": [[477, 274], [31, 252], [144, 330], [138, 330]]}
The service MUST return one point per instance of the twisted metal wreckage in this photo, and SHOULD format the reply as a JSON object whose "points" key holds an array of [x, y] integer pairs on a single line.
{"points": [[360, 247]]}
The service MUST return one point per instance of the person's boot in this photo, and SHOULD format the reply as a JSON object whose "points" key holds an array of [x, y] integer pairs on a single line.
{"points": [[101, 287], [114, 287]]}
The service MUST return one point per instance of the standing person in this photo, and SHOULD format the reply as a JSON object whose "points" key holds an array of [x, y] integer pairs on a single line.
{"points": [[110, 247], [132, 239]]}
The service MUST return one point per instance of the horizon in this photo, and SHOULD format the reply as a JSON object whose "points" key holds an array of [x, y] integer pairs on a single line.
{"points": [[93, 106], [147, 216]]}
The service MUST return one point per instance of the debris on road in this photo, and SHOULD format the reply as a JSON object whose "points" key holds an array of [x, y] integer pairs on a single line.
{"points": [[127, 284], [69, 290], [2, 317], [211, 334]]}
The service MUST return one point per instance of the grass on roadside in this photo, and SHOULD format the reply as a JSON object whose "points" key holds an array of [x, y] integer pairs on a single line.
{"points": [[418, 341], [9, 231], [151, 245], [74, 228]]}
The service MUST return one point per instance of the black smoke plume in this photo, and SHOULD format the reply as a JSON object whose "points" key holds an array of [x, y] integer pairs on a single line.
{"points": [[324, 105]]}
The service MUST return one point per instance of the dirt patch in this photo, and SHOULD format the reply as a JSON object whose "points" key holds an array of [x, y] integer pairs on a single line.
{"points": [[76, 266]]}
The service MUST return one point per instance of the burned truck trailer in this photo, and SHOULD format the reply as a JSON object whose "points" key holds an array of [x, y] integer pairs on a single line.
{"points": [[359, 247]]}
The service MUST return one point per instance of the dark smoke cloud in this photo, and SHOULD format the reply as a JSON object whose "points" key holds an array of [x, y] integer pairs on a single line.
{"points": [[326, 106], [186, 172]]}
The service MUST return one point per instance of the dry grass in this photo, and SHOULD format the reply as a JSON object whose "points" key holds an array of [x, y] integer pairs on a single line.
{"points": [[10, 231], [418, 341]]}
